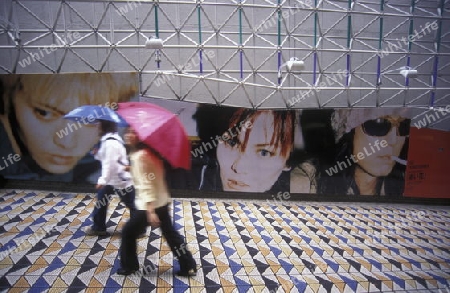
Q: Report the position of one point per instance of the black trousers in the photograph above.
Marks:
(138, 222)
(2, 181)
(104, 195)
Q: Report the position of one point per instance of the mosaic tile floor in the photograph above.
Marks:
(240, 246)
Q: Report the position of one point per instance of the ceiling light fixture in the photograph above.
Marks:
(405, 71)
(154, 43)
(294, 64)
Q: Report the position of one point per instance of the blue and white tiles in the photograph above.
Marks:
(240, 246)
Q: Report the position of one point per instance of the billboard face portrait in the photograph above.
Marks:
(33, 127)
(245, 150)
(370, 152)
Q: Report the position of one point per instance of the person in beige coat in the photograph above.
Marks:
(152, 203)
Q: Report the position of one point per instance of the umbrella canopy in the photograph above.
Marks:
(92, 113)
(160, 129)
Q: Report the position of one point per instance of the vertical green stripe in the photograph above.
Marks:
(199, 25)
(156, 21)
(349, 25)
(315, 25)
(380, 36)
(279, 24)
(439, 31)
(240, 25)
(411, 24)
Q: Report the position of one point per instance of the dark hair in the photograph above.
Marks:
(213, 121)
(107, 127)
(9, 84)
(317, 133)
(340, 183)
(143, 146)
(2, 99)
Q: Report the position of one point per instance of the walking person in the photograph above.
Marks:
(152, 203)
(114, 179)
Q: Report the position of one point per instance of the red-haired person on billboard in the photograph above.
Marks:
(246, 150)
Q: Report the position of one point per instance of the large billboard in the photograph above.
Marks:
(36, 142)
(356, 152)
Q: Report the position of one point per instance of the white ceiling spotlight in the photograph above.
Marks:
(154, 43)
(408, 72)
(405, 71)
(294, 64)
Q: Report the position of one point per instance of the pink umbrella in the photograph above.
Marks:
(160, 129)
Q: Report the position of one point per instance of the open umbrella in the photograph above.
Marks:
(160, 129)
(92, 113)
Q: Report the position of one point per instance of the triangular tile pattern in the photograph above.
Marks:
(239, 246)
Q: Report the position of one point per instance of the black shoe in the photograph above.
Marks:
(3, 181)
(91, 232)
(125, 272)
(187, 273)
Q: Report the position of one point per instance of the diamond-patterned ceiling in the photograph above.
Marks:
(229, 52)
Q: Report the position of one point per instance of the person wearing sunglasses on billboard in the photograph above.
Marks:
(33, 129)
(371, 148)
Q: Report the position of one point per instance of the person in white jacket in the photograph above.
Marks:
(115, 177)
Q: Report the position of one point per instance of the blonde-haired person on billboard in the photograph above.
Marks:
(33, 129)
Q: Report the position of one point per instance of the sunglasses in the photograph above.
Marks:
(382, 126)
